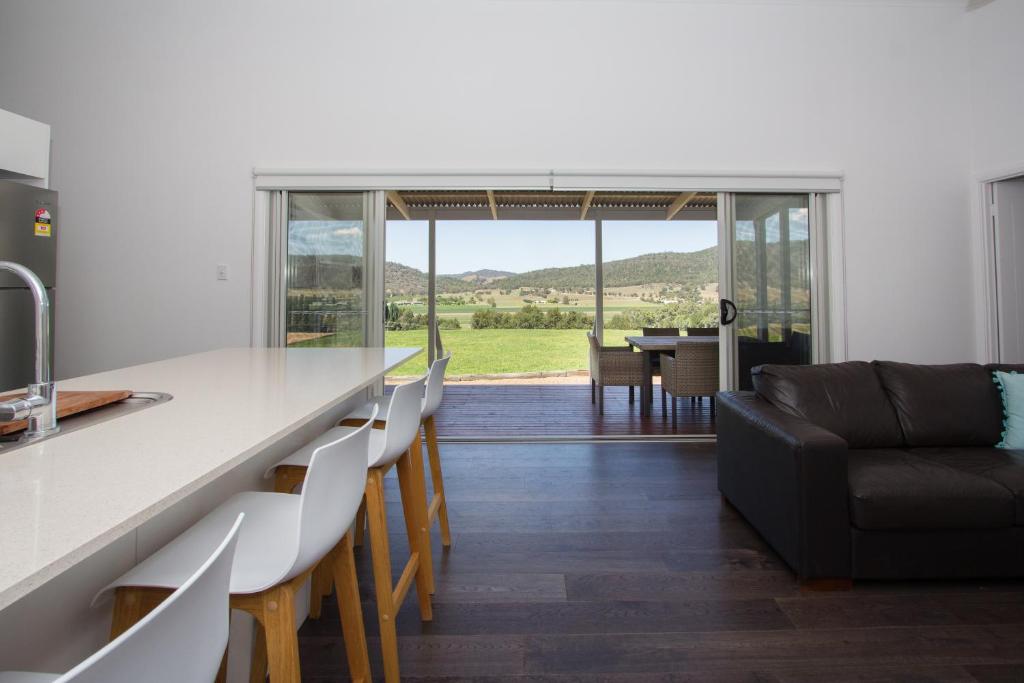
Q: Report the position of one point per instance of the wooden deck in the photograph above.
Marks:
(619, 563)
(486, 411)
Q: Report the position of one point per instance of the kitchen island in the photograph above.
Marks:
(79, 508)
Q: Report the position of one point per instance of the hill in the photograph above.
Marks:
(402, 279)
(485, 274)
(696, 268)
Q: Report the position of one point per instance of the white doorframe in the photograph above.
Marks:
(727, 362)
(375, 212)
(985, 282)
(268, 180)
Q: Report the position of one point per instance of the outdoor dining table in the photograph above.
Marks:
(649, 346)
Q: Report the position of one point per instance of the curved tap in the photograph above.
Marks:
(40, 406)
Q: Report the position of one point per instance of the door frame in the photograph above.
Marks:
(986, 285)
(828, 259)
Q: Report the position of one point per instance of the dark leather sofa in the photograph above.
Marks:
(876, 470)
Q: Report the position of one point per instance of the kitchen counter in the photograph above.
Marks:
(67, 497)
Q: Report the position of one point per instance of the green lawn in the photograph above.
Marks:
(502, 351)
(488, 352)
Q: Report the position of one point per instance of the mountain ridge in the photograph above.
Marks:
(692, 268)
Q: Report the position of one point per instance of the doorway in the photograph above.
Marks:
(783, 308)
(1007, 213)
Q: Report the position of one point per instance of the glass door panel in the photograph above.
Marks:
(771, 281)
(325, 279)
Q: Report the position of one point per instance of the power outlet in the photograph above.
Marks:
(222, 271)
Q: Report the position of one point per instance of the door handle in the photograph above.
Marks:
(727, 307)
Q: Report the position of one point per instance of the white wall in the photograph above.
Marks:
(996, 40)
(160, 111)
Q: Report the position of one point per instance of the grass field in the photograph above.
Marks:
(488, 352)
(502, 351)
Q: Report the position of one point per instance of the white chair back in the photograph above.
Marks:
(403, 422)
(435, 385)
(331, 493)
(183, 639)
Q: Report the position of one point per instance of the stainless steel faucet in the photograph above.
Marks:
(40, 406)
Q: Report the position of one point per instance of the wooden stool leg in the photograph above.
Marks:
(600, 400)
(360, 523)
(419, 489)
(414, 506)
(351, 611)
(222, 672)
(316, 590)
(631, 395)
(281, 637)
(437, 479)
(376, 515)
(593, 392)
(258, 663)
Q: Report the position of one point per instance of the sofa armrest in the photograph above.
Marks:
(788, 477)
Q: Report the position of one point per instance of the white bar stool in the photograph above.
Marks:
(182, 639)
(284, 538)
(438, 507)
(395, 445)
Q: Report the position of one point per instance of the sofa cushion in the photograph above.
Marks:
(1011, 392)
(1002, 466)
(845, 398)
(895, 489)
(944, 405)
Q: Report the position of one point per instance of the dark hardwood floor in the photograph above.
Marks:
(618, 563)
(485, 411)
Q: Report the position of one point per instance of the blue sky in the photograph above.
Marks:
(519, 246)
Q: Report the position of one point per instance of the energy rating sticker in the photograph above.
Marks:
(42, 224)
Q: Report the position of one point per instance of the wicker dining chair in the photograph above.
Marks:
(659, 332)
(692, 372)
(701, 331)
(613, 366)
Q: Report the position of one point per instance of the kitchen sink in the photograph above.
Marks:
(139, 400)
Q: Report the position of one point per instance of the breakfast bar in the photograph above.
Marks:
(119, 488)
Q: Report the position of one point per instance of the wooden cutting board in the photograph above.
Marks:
(69, 403)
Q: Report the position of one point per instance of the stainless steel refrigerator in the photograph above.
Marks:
(28, 235)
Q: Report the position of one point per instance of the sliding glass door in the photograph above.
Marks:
(768, 304)
(326, 291)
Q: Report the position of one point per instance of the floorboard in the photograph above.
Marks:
(618, 562)
(486, 411)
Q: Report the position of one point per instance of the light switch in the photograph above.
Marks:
(222, 271)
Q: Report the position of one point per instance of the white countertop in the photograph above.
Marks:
(67, 497)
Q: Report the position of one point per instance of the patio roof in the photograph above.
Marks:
(551, 205)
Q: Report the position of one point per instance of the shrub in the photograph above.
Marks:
(531, 317)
